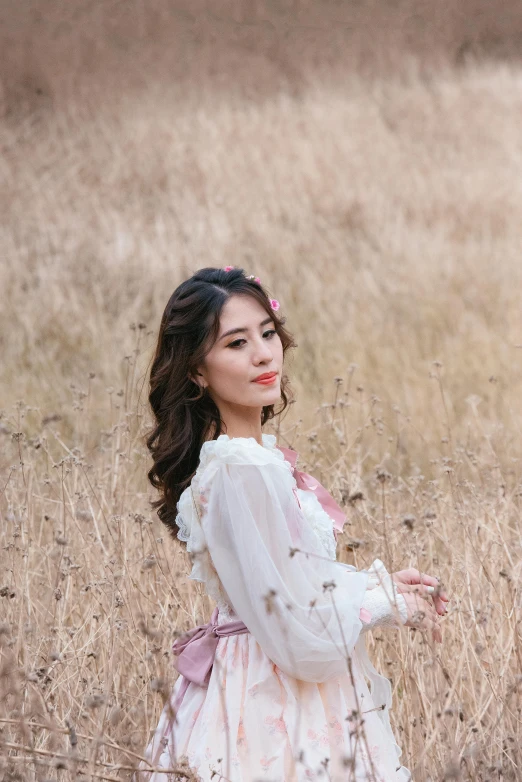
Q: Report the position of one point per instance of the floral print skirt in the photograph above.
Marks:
(255, 723)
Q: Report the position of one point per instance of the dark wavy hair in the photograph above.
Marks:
(185, 417)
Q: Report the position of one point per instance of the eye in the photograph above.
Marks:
(236, 343)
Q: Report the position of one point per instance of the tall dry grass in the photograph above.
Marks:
(94, 591)
(384, 215)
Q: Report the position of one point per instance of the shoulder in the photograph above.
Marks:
(215, 455)
(227, 450)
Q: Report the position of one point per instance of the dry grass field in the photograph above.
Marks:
(369, 172)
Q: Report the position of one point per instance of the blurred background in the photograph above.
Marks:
(365, 160)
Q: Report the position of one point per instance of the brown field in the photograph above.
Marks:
(365, 161)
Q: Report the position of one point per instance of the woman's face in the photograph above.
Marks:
(235, 360)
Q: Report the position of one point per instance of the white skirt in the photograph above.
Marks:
(254, 722)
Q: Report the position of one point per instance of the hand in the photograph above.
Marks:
(411, 576)
(421, 613)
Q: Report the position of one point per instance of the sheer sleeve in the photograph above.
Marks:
(301, 607)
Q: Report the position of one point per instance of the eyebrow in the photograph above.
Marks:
(236, 331)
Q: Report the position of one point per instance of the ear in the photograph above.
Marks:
(198, 379)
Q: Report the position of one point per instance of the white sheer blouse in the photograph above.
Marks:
(266, 552)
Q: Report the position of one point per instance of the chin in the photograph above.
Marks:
(270, 398)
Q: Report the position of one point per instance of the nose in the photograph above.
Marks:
(262, 351)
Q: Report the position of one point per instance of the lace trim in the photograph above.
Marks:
(381, 583)
(230, 446)
(380, 605)
(319, 520)
(184, 529)
(191, 532)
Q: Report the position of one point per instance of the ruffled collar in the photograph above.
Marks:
(224, 443)
(269, 441)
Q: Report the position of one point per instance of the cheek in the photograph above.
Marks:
(230, 369)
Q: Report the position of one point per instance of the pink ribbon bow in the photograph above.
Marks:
(195, 651)
(195, 665)
(305, 481)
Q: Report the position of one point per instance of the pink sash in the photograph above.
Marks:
(195, 651)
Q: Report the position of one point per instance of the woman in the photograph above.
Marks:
(273, 687)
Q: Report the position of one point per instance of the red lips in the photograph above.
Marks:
(265, 376)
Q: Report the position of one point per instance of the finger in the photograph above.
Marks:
(417, 601)
(427, 590)
(440, 592)
(440, 606)
(422, 599)
(419, 589)
(436, 589)
(438, 601)
(414, 576)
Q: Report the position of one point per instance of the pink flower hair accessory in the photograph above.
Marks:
(273, 302)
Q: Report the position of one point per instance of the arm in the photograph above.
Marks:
(381, 593)
(302, 609)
